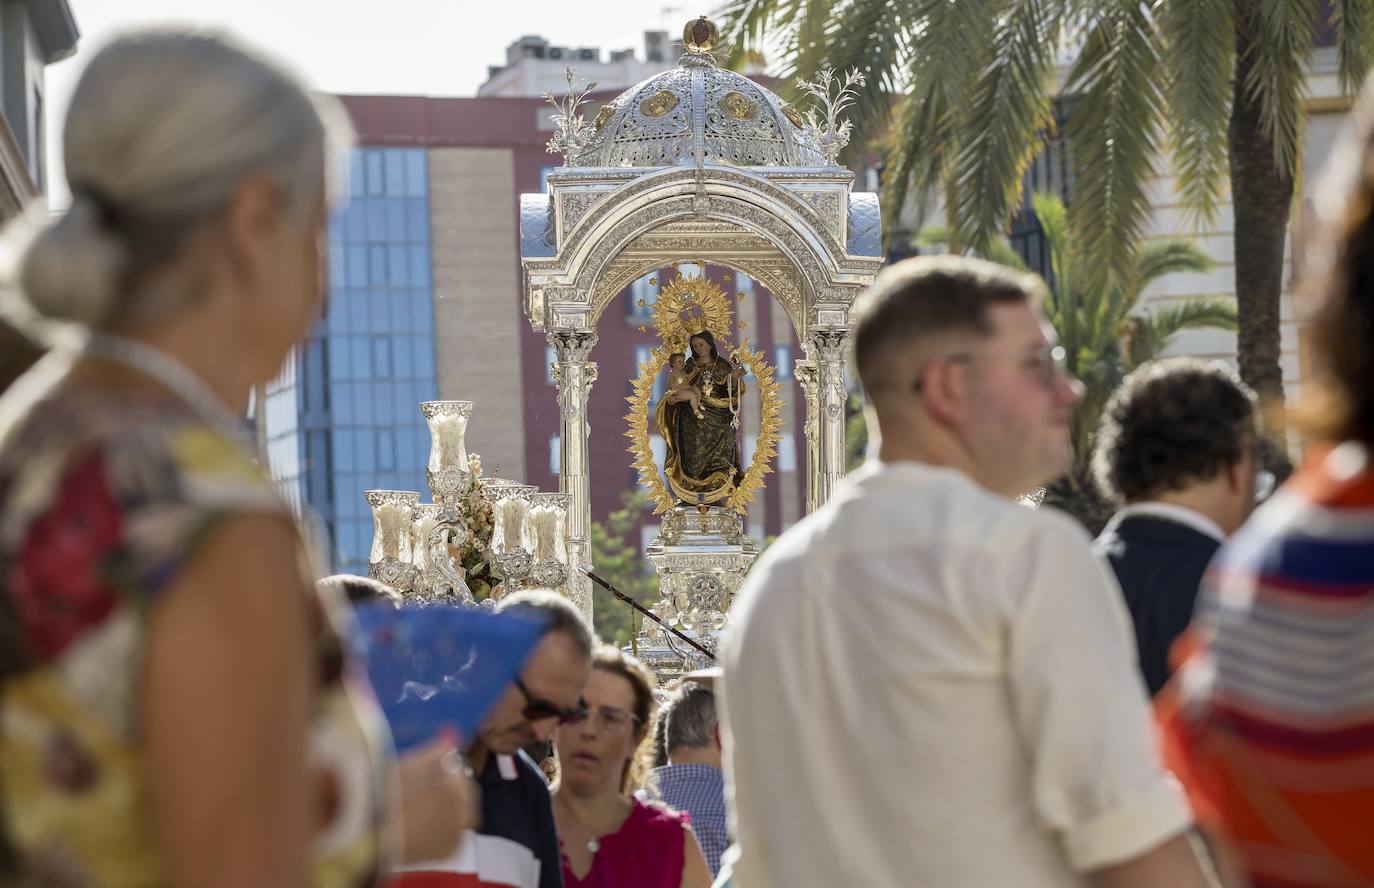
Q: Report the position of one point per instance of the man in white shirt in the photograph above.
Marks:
(1177, 446)
(925, 683)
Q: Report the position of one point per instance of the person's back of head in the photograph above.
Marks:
(1338, 401)
(1181, 430)
(163, 129)
(691, 728)
(359, 591)
(557, 614)
(957, 370)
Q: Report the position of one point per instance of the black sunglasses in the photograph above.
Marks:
(539, 710)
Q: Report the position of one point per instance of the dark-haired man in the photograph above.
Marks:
(925, 683)
(1177, 447)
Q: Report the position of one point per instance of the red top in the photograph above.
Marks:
(647, 851)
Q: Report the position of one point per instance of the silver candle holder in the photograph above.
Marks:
(448, 472)
(510, 558)
(418, 548)
(392, 557)
(548, 521)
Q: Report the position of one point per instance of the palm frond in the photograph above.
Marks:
(1053, 217)
(1280, 36)
(1354, 21)
(1153, 260)
(749, 22)
(948, 44)
(999, 251)
(1002, 253)
(1158, 258)
(870, 36)
(1150, 333)
(917, 154)
(931, 236)
(1201, 39)
(1062, 302)
(1114, 134)
(1007, 119)
(861, 35)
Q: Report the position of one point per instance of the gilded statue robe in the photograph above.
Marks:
(703, 461)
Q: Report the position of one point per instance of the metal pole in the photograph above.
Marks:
(648, 613)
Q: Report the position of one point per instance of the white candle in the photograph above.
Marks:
(447, 447)
(512, 523)
(544, 524)
(560, 548)
(423, 526)
(393, 531)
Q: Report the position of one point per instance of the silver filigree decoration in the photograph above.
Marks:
(706, 591)
(513, 567)
(572, 132)
(831, 96)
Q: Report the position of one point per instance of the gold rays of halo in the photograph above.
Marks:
(770, 426)
(679, 296)
(698, 299)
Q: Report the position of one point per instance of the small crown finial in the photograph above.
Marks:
(700, 35)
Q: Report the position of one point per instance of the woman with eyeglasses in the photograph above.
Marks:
(608, 838)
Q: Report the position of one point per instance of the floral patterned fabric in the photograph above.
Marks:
(101, 504)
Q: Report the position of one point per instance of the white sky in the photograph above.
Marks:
(418, 47)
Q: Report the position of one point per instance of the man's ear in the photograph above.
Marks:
(944, 390)
(715, 734)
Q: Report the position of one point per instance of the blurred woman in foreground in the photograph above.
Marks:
(1272, 727)
(170, 715)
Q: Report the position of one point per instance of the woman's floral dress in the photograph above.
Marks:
(101, 505)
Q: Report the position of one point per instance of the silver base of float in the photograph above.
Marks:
(701, 555)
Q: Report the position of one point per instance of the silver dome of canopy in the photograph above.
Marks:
(700, 113)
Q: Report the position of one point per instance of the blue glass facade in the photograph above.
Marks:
(356, 384)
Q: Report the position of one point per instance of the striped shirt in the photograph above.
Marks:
(1271, 723)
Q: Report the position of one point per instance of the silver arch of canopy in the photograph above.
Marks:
(696, 163)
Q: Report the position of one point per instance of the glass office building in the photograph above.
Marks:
(344, 417)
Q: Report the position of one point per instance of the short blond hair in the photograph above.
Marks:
(927, 297)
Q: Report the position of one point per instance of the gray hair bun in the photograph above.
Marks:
(71, 268)
(163, 127)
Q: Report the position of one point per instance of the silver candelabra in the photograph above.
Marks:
(418, 548)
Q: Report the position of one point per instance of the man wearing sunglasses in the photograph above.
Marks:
(516, 845)
(926, 683)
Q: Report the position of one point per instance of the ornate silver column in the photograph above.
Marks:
(807, 374)
(574, 375)
(827, 351)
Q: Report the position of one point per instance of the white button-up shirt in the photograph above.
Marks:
(927, 684)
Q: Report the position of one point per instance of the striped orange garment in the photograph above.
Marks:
(1269, 722)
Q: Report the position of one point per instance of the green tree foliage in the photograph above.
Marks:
(617, 558)
(963, 92)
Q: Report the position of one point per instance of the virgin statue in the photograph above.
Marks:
(698, 419)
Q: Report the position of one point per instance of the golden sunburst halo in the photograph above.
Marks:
(674, 321)
(688, 305)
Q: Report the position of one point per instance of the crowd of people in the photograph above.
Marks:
(925, 682)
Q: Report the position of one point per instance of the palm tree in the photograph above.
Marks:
(965, 90)
(1104, 333)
